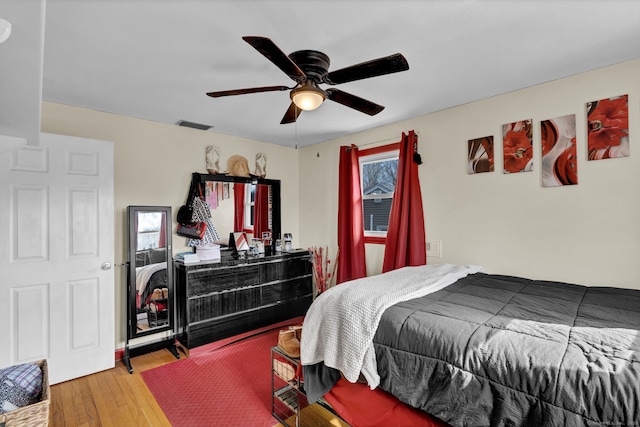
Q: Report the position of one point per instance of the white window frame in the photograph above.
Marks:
(379, 156)
(249, 206)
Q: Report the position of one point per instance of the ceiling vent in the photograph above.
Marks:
(193, 125)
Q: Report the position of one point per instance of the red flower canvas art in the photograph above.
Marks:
(608, 128)
(559, 159)
(480, 155)
(517, 146)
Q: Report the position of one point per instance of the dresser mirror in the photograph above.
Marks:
(243, 204)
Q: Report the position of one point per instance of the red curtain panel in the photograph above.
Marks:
(406, 239)
(162, 240)
(238, 202)
(261, 211)
(351, 261)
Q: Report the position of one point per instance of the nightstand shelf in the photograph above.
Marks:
(288, 397)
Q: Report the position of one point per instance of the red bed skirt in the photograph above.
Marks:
(360, 406)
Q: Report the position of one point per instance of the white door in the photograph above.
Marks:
(56, 256)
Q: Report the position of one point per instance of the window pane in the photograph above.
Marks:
(376, 214)
(148, 240)
(379, 177)
(249, 199)
(149, 224)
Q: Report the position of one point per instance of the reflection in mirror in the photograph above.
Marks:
(253, 209)
(152, 291)
(244, 204)
(240, 241)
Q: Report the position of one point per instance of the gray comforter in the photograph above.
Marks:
(493, 350)
(505, 351)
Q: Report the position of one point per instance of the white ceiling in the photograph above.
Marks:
(156, 59)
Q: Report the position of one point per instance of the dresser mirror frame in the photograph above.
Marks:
(153, 262)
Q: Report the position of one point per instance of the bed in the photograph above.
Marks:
(476, 349)
(151, 287)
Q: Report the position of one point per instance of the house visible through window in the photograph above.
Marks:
(378, 173)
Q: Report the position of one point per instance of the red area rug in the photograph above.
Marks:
(228, 385)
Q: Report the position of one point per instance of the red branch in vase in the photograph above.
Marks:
(323, 268)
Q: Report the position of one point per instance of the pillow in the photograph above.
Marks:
(142, 258)
(157, 255)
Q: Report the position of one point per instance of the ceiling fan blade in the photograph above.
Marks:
(273, 53)
(220, 93)
(291, 115)
(354, 102)
(376, 67)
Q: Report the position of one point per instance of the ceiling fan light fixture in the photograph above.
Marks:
(308, 97)
(5, 30)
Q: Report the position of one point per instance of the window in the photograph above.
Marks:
(149, 225)
(249, 204)
(378, 173)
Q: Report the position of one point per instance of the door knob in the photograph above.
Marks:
(106, 266)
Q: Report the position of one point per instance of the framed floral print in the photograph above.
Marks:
(480, 155)
(608, 128)
(559, 159)
(517, 146)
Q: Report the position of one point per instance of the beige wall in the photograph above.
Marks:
(510, 224)
(589, 233)
(153, 166)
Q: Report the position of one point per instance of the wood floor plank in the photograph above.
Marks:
(85, 406)
(68, 407)
(56, 411)
(315, 416)
(103, 404)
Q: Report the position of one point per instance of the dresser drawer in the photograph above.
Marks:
(286, 290)
(203, 282)
(222, 303)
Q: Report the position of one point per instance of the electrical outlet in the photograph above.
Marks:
(434, 248)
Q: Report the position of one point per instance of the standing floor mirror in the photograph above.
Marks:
(150, 293)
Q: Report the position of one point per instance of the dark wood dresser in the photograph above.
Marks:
(222, 298)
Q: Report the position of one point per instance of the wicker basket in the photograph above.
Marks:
(33, 415)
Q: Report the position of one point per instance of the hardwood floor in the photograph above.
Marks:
(316, 416)
(117, 398)
(110, 398)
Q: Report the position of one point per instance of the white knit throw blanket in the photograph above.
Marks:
(340, 324)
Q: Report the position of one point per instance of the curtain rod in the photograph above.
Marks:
(394, 139)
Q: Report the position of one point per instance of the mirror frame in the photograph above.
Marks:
(132, 310)
(276, 214)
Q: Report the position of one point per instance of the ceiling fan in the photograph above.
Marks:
(309, 68)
